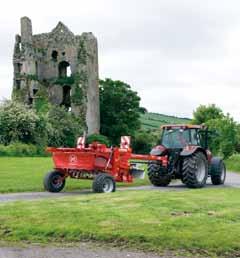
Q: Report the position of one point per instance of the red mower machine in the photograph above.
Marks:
(105, 166)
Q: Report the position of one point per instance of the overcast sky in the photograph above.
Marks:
(177, 54)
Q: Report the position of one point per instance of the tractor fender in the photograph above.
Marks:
(189, 150)
(158, 150)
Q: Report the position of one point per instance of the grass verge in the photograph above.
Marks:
(203, 221)
(26, 174)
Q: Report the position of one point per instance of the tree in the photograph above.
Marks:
(120, 109)
(225, 141)
(205, 113)
(63, 127)
(237, 147)
(18, 123)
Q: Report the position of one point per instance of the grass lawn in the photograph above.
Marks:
(205, 220)
(26, 174)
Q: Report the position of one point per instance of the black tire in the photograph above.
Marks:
(104, 183)
(54, 182)
(156, 177)
(218, 171)
(195, 170)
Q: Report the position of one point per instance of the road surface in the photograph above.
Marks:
(232, 180)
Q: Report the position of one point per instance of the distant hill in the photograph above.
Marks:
(154, 120)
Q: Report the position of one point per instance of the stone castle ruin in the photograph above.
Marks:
(58, 68)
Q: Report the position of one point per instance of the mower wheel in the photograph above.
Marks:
(104, 183)
(156, 177)
(54, 182)
(218, 171)
(195, 170)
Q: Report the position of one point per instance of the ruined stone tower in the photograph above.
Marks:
(58, 68)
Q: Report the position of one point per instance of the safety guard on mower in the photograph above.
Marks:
(105, 166)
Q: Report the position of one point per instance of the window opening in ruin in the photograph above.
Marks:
(30, 101)
(69, 73)
(64, 69)
(18, 68)
(18, 84)
(35, 91)
(36, 68)
(54, 55)
(63, 53)
(66, 102)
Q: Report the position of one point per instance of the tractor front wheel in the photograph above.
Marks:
(54, 182)
(195, 170)
(104, 183)
(218, 171)
(156, 177)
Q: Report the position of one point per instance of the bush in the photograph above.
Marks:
(19, 123)
(225, 142)
(143, 142)
(19, 149)
(63, 128)
(98, 138)
(233, 163)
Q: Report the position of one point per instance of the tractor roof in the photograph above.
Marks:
(183, 126)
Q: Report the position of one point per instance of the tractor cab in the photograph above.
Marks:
(180, 136)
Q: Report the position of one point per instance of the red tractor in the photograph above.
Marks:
(188, 156)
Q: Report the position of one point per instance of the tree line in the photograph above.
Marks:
(27, 131)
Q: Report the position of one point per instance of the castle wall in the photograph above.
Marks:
(55, 63)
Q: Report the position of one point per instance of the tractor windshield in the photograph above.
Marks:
(179, 138)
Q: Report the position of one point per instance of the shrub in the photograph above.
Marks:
(63, 128)
(143, 141)
(224, 143)
(19, 123)
(98, 138)
(18, 149)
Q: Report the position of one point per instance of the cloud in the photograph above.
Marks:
(176, 54)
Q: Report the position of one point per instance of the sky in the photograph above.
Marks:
(177, 54)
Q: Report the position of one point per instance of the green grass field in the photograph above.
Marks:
(205, 221)
(154, 120)
(26, 174)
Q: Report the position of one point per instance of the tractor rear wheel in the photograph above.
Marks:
(156, 177)
(195, 170)
(54, 182)
(104, 183)
(218, 171)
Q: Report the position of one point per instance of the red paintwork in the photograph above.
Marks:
(98, 158)
(209, 155)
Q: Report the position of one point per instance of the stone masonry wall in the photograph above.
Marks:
(59, 68)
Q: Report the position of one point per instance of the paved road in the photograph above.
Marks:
(82, 251)
(232, 180)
